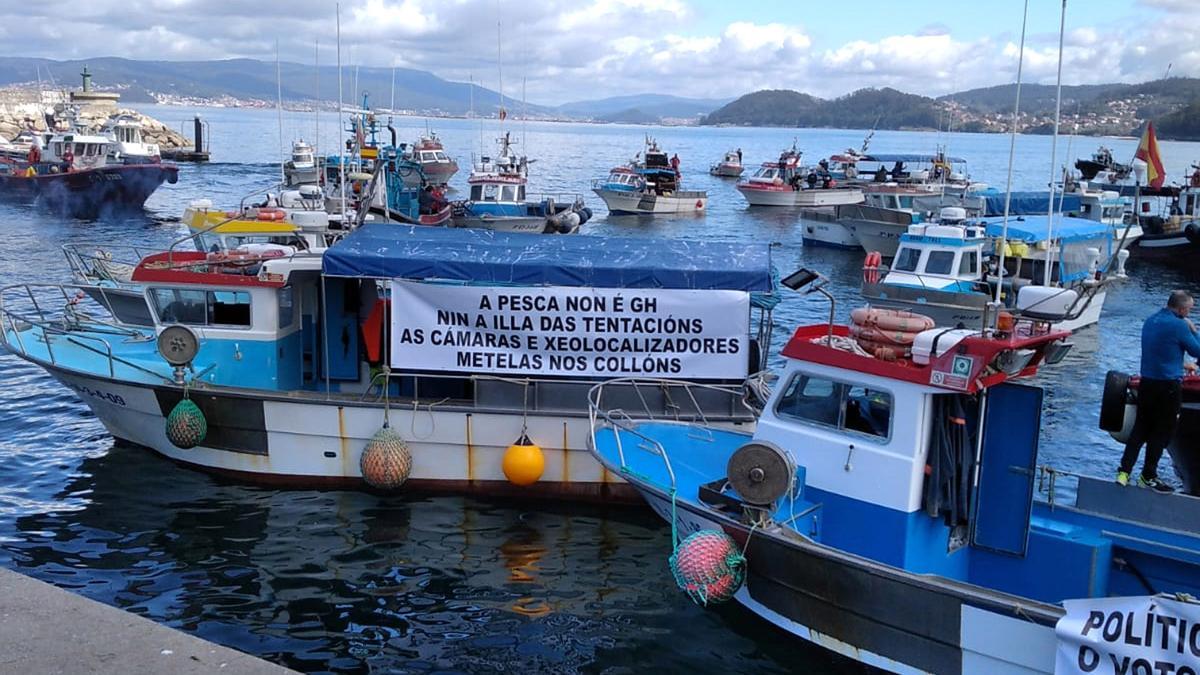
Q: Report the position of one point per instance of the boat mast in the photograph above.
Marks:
(1012, 151)
(279, 114)
(392, 107)
(1062, 24)
(341, 131)
(317, 107)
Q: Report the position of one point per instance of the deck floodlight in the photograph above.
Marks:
(801, 278)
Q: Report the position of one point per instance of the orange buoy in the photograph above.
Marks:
(708, 567)
(523, 462)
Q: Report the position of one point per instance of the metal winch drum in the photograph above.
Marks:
(760, 472)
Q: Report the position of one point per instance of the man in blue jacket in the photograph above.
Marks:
(1166, 337)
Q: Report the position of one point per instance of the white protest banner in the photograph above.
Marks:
(1145, 635)
(563, 331)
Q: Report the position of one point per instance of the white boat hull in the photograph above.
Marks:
(532, 224)
(619, 201)
(320, 442)
(821, 228)
(784, 196)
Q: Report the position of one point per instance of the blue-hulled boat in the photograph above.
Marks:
(895, 513)
(498, 200)
(465, 339)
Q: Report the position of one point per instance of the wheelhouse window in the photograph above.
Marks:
(476, 193)
(508, 193)
(969, 265)
(202, 308)
(520, 193)
(490, 191)
(441, 157)
(287, 307)
(851, 408)
(939, 262)
(907, 259)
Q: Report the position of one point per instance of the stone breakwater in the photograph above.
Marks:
(17, 116)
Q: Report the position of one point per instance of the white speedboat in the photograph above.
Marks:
(730, 166)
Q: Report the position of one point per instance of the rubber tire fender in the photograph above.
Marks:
(1112, 402)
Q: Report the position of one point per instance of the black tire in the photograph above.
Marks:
(1192, 233)
(1112, 402)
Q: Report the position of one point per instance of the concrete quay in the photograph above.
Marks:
(47, 630)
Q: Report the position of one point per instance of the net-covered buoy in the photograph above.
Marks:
(386, 461)
(708, 566)
(186, 426)
(523, 462)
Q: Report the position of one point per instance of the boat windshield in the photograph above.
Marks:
(766, 172)
(907, 259)
(441, 157)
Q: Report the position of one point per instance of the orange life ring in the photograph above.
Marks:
(871, 267)
(877, 335)
(891, 319)
(272, 214)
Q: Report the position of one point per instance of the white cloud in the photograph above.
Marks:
(573, 49)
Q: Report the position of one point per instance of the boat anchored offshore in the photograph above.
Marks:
(302, 168)
(948, 270)
(729, 167)
(648, 186)
(1102, 162)
(436, 165)
(460, 341)
(498, 200)
(889, 511)
(787, 183)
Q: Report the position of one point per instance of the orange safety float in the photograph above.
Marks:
(871, 267)
(271, 214)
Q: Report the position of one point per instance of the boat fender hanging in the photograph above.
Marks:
(386, 462)
(523, 462)
(708, 567)
(1192, 233)
(699, 204)
(186, 426)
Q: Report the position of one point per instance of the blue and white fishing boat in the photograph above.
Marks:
(647, 186)
(892, 512)
(947, 270)
(462, 340)
(498, 200)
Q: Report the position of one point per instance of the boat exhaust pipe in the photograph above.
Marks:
(392, 130)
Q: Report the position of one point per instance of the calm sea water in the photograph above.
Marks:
(350, 582)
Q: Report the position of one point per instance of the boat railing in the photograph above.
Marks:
(555, 197)
(101, 262)
(622, 421)
(43, 312)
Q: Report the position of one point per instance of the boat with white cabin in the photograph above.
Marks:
(787, 183)
(730, 165)
(648, 185)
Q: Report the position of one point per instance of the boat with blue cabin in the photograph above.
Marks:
(948, 270)
(498, 200)
(895, 512)
(648, 185)
(462, 341)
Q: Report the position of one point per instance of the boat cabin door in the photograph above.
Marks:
(1006, 469)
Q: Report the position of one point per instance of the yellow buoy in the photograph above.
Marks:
(523, 462)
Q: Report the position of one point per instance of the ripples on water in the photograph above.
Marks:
(351, 582)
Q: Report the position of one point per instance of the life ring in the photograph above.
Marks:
(871, 267)
(891, 319)
(271, 214)
(890, 338)
(235, 258)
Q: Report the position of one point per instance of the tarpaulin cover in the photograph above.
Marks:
(1027, 203)
(383, 250)
(1038, 228)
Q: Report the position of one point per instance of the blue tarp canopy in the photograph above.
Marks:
(1028, 203)
(382, 250)
(1031, 229)
(909, 159)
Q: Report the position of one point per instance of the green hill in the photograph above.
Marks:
(866, 108)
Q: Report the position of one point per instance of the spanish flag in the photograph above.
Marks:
(1148, 152)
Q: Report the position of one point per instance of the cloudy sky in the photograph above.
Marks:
(580, 49)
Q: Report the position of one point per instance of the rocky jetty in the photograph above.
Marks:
(17, 116)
